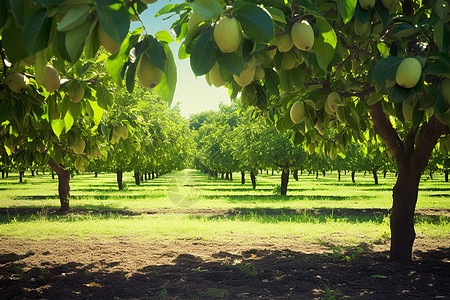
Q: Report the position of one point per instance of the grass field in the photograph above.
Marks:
(219, 210)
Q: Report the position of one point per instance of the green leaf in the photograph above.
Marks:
(346, 9)
(6, 109)
(114, 17)
(385, 69)
(3, 14)
(271, 81)
(166, 88)
(36, 31)
(384, 49)
(208, 9)
(284, 123)
(297, 77)
(75, 40)
(17, 8)
(114, 64)
(68, 120)
(277, 15)
(382, 11)
(231, 62)
(51, 2)
(76, 16)
(437, 67)
(92, 43)
(85, 68)
(104, 97)
(57, 126)
(98, 112)
(361, 14)
(171, 8)
(325, 44)
(400, 94)
(154, 50)
(129, 81)
(12, 43)
(39, 66)
(256, 22)
(438, 34)
(164, 36)
(441, 8)
(202, 57)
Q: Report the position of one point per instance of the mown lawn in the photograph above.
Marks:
(216, 209)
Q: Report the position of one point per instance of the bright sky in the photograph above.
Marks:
(193, 93)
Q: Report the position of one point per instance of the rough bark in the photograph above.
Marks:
(231, 176)
(120, 179)
(411, 156)
(353, 176)
(284, 181)
(295, 175)
(137, 178)
(21, 172)
(242, 177)
(63, 183)
(253, 178)
(375, 175)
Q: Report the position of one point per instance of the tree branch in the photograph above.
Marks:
(55, 167)
(383, 128)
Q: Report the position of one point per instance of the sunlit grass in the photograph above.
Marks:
(315, 208)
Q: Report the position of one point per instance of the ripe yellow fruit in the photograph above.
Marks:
(148, 74)
(297, 112)
(367, 4)
(227, 34)
(51, 81)
(78, 146)
(76, 95)
(17, 82)
(302, 35)
(215, 77)
(284, 42)
(359, 27)
(445, 90)
(194, 20)
(106, 41)
(389, 3)
(259, 73)
(408, 72)
(122, 130)
(246, 76)
(289, 60)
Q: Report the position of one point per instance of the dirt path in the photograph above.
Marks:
(125, 268)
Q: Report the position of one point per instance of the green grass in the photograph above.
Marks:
(314, 210)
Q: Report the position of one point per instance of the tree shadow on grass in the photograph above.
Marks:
(253, 273)
(233, 198)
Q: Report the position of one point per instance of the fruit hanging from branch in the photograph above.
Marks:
(227, 34)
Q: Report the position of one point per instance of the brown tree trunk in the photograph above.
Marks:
(231, 176)
(375, 175)
(120, 179)
(21, 172)
(295, 175)
(431, 175)
(446, 175)
(284, 181)
(63, 184)
(242, 177)
(253, 178)
(137, 178)
(353, 176)
(339, 175)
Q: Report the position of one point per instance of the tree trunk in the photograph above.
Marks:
(446, 175)
(222, 176)
(32, 173)
(323, 173)
(227, 175)
(431, 175)
(242, 177)
(231, 176)
(384, 173)
(153, 174)
(95, 174)
(295, 175)
(63, 184)
(284, 181)
(375, 176)
(353, 176)
(53, 175)
(3, 174)
(253, 178)
(145, 176)
(339, 175)
(137, 178)
(119, 179)
(272, 172)
(21, 172)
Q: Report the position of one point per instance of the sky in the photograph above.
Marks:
(193, 93)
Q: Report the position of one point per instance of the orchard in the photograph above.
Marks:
(327, 73)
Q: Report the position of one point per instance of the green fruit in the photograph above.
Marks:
(77, 95)
(333, 153)
(408, 110)
(79, 165)
(148, 1)
(359, 27)
(148, 74)
(430, 112)
(408, 73)
(319, 127)
(106, 41)
(115, 136)
(271, 53)
(78, 146)
(259, 73)
(17, 82)
(367, 4)
(390, 83)
(389, 3)
(246, 77)
(122, 130)
(332, 100)
(51, 81)
(445, 90)
(302, 35)
(289, 60)
(297, 112)
(284, 42)
(227, 34)
(215, 77)
(194, 20)
(311, 148)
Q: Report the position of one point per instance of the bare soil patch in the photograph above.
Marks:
(127, 268)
